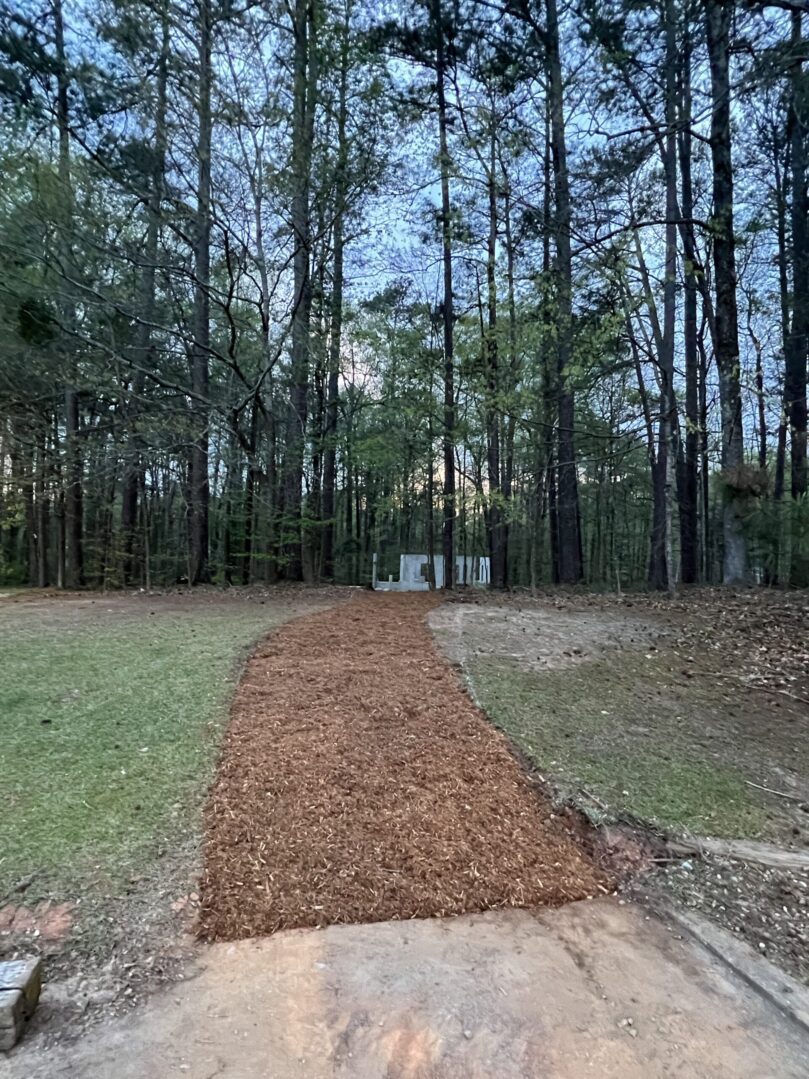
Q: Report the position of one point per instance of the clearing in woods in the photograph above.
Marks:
(358, 782)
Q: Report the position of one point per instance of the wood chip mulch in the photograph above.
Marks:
(358, 782)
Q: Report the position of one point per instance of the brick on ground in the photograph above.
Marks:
(20, 986)
(12, 1017)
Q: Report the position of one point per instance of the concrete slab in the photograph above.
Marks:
(592, 989)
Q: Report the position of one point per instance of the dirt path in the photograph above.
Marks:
(358, 782)
(590, 989)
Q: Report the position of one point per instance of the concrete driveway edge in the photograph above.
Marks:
(776, 986)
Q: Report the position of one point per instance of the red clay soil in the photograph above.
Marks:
(358, 782)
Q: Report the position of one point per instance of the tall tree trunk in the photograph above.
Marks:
(250, 493)
(706, 538)
(494, 508)
(30, 509)
(335, 335)
(689, 515)
(660, 562)
(73, 464)
(798, 344)
(275, 497)
(570, 551)
(448, 537)
(59, 501)
(258, 409)
(232, 497)
(508, 408)
(42, 507)
(311, 532)
(430, 500)
(761, 406)
(73, 499)
(550, 374)
(133, 467)
(200, 351)
(784, 294)
(718, 16)
(303, 108)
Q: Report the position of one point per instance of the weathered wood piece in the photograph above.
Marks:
(742, 850)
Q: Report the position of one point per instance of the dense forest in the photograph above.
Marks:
(287, 283)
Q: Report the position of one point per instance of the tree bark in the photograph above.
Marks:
(718, 16)
(784, 294)
(798, 343)
(133, 481)
(494, 507)
(336, 321)
(199, 489)
(73, 464)
(303, 108)
(42, 507)
(660, 561)
(550, 373)
(447, 537)
(689, 513)
(508, 407)
(250, 494)
(567, 507)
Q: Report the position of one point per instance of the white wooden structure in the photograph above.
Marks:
(471, 570)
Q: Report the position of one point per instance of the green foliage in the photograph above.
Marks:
(77, 215)
(36, 323)
(778, 534)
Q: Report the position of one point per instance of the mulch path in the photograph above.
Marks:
(358, 782)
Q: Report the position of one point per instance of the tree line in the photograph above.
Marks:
(287, 283)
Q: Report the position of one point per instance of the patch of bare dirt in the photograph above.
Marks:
(55, 606)
(358, 782)
(539, 638)
(109, 947)
(751, 640)
(755, 637)
(46, 923)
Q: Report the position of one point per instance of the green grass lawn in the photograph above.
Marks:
(110, 728)
(618, 729)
